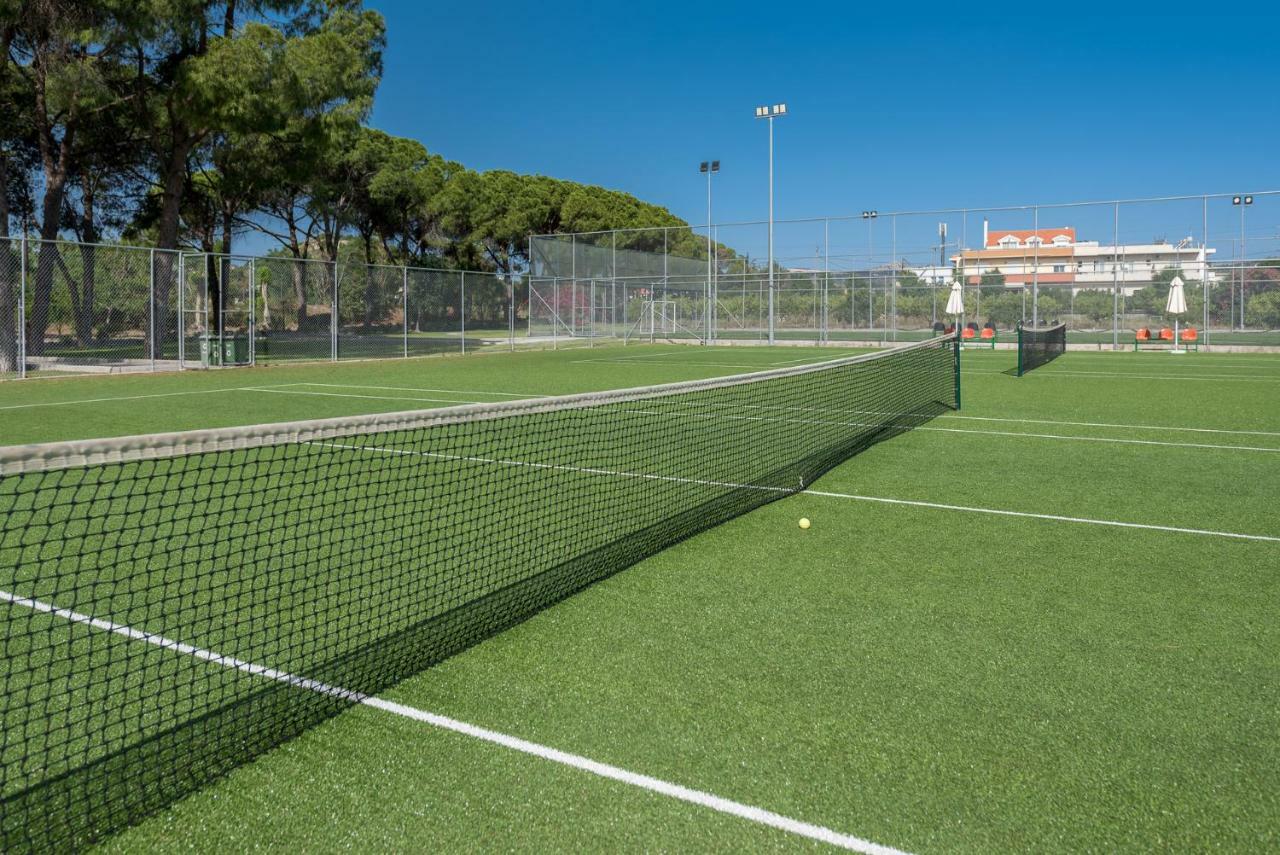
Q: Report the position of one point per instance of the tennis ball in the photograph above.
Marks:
(804, 522)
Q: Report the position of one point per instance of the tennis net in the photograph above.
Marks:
(173, 605)
(1038, 345)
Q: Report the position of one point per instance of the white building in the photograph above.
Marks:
(1054, 257)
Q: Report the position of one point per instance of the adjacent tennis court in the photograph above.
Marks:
(1046, 619)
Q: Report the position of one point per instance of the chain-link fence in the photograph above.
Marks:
(86, 308)
(1102, 267)
(79, 306)
(1105, 268)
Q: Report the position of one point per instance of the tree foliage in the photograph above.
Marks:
(187, 123)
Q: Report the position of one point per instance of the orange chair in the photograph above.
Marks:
(1189, 334)
(1143, 334)
(1190, 339)
(1166, 334)
(967, 333)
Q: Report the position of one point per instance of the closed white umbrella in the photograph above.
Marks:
(955, 302)
(1176, 305)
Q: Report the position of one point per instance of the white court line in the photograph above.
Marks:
(653, 355)
(695, 364)
(1264, 362)
(407, 389)
(1118, 375)
(119, 398)
(1051, 517)
(620, 473)
(554, 755)
(350, 395)
(1111, 439)
(1113, 425)
(822, 358)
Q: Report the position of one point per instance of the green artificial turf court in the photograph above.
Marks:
(919, 670)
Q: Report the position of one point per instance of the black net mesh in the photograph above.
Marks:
(199, 598)
(1038, 345)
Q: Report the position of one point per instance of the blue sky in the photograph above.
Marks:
(894, 106)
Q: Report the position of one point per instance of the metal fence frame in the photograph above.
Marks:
(838, 282)
(190, 309)
(108, 307)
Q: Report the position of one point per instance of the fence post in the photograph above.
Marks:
(404, 302)
(22, 311)
(825, 334)
(1035, 269)
(1204, 265)
(182, 299)
(528, 326)
(1115, 281)
(956, 358)
(253, 311)
(462, 309)
(511, 306)
(151, 312)
(333, 318)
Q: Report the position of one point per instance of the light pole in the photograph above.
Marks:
(771, 113)
(1241, 202)
(709, 168)
(871, 301)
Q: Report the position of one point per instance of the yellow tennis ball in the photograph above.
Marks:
(804, 522)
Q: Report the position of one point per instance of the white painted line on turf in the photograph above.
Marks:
(653, 355)
(666, 362)
(177, 646)
(36, 404)
(408, 389)
(656, 785)
(1119, 375)
(1112, 425)
(351, 395)
(621, 473)
(701, 798)
(1110, 439)
(1053, 517)
(801, 359)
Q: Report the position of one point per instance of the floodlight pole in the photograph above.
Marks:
(1241, 202)
(709, 167)
(771, 113)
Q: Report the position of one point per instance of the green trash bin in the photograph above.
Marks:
(235, 350)
(225, 350)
